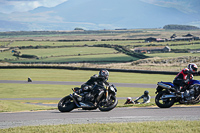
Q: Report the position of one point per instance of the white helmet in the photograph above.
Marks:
(192, 67)
(129, 99)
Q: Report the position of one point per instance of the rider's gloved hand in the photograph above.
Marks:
(186, 81)
(79, 91)
(198, 72)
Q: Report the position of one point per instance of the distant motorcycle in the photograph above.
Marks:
(105, 100)
(166, 96)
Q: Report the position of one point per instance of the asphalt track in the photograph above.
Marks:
(77, 83)
(78, 116)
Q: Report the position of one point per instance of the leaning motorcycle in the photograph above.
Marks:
(105, 99)
(166, 96)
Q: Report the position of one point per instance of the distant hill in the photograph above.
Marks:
(180, 27)
(100, 14)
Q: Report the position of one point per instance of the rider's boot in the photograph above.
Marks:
(178, 92)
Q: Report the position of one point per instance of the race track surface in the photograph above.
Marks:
(77, 83)
(78, 116)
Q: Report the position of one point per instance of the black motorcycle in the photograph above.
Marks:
(102, 97)
(167, 96)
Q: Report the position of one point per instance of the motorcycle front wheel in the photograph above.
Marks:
(164, 103)
(66, 104)
(107, 105)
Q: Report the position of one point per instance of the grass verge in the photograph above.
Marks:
(51, 91)
(15, 106)
(80, 75)
(133, 127)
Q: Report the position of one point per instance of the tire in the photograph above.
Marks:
(164, 104)
(107, 106)
(66, 104)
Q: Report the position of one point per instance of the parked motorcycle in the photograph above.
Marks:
(105, 99)
(166, 96)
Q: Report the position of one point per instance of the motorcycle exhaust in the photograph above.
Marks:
(164, 85)
(75, 101)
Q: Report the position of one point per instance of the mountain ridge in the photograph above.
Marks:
(103, 14)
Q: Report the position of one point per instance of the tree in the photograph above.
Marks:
(78, 28)
(180, 27)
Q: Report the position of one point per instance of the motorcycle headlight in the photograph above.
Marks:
(112, 88)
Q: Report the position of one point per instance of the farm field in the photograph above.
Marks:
(173, 54)
(97, 48)
(101, 58)
(67, 51)
(57, 53)
(68, 43)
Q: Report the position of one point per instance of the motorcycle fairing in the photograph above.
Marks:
(192, 82)
(168, 83)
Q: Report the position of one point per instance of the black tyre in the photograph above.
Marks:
(108, 105)
(164, 103)
(66, 104)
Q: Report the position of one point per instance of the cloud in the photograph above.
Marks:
(9, 6)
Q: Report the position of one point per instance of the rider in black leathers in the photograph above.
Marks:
(95, 83)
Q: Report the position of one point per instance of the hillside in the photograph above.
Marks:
(100, 14)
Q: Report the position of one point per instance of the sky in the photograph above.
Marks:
(9, 6)
(16, 11)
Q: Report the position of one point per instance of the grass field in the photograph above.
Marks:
(97, 59)
(67, 51)
(172, 54)
(59, 91)
(71, 43)
(123, 43)
(80, 75)
(88, 54)
(132, 127)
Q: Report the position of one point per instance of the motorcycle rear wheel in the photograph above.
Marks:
(164, 103)
(108, 105)
(66, 104)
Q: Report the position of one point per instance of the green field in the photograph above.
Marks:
(67, 51)
(59, 91)
(83, 58)
(79, 75)
(172, 54)
(49, 51)
(71, 43)
(132, 127)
